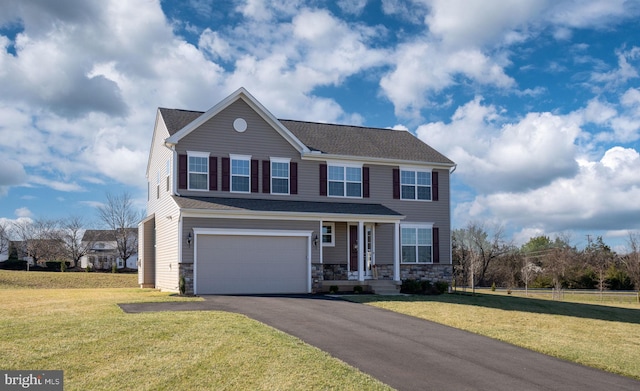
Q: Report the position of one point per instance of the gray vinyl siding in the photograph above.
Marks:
(337, 253)
(290, 225)
(218, 137)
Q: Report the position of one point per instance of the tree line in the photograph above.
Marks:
(61, 240)
(482, 257)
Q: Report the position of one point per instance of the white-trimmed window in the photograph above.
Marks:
(415, 185)
(198, 170)
(344, 181)
(417, 243)
(280, 175)
(240, 173)
(328, 234)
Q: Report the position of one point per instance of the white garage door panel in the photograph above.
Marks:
(237, 264)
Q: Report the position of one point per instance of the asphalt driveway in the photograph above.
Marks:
(405, 352)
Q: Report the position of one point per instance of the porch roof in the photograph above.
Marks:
(284, 206)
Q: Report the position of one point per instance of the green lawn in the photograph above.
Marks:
(83, 332)
(601, 336)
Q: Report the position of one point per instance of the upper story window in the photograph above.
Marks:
(198, 170)
(415, 185)
(240, 173)
(417, 243)
(279, 176)
(344, 181)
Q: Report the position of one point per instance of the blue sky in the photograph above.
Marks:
(538, 102)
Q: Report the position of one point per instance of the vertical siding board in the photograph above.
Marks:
(226, 174)
(396, 184)
(365, 182)
(293, 185)
(434, 185)
(266, 176)
(182, 171)
(255, 175)
(323, 179)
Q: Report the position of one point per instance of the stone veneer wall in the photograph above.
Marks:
(430, 272)
(186, 270)
(335, 272)
(385, 272)
(316, 277)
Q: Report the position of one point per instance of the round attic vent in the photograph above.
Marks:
(240, 125)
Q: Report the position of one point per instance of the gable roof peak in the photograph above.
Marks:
(243, 94)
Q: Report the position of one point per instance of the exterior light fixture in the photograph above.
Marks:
(189, 237)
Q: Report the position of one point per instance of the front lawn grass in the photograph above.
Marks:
(599, 336)
(12, 279)
(99, 347)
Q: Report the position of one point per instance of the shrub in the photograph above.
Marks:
(493, 287)
(357, 289)
(182, 285)
(418, 287)
(333, 289)
(441, 286)
(13, 264)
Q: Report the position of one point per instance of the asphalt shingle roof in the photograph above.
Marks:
(341, 140)
(261, 205)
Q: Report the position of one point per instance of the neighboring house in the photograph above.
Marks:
(241, 202)
(17, 250)
(103, 250)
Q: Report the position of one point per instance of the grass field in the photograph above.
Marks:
(83, 332)
(601, 336)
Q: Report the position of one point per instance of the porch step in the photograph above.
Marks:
(384, 287)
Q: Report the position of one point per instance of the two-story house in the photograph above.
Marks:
(241, 202)
(102, 250)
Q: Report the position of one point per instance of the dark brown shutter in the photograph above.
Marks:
(434, 186)
(226, 174)
(213, 173)
(436, 245)
(255, 172)
(323, 179)
(365, 182)
(293, 175)
(266, 176)
(182, 171)
(396, 183)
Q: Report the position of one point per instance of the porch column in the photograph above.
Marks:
(396, 251)
(361, 246)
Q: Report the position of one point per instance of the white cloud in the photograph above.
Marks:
(476, 23)
(23, 212)
(597, 197)
(437, 69)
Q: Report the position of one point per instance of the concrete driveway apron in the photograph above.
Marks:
(405, 352)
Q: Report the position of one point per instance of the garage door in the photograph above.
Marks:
(251, 264)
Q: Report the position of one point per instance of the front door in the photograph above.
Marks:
(368, 250)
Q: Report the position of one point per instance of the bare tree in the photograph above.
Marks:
(631, 261)
(4, 237)
(70, 234)
(599, 257)
(558, 261)
(120, 216)
(40, 239)
(477, 248)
